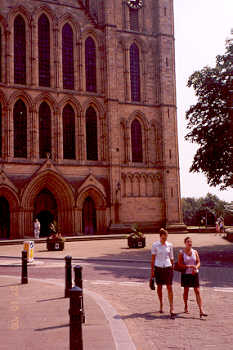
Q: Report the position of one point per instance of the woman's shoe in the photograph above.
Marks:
(172, 316)
(202, 314)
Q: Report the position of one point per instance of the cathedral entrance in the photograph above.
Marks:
(89, 216)
(4, 218)
(45, 209)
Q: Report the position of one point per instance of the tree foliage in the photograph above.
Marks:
(210, 120)
(194, 209)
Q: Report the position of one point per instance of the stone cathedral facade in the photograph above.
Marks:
(88, 129)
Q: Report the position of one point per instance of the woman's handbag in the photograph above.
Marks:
(179, 268)
(152, 284)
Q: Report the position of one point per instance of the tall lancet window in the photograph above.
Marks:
(0, 53)
(68, 119)
(91, 134)
(136, 141)
(68, 57)
(0, 130)
(44, 50)
(133, 19)
(20, 129)
(134, 73)
(90, 64)
(19, 50)
(45, 144)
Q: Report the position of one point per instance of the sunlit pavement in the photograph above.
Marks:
(120, 276)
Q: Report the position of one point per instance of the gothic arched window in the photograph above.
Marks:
(45, 145)
(0, 53)
(0, 130)
(19, 50)
(68, 118)
(90, 64)
(135, 73)
(44, 50)
(20, 129)
(67, 57)
(91, 134)
(136, 141)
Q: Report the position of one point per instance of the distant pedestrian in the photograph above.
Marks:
(189, 259)
(36, 229)
(217, 226)
(162, 268)
(221, 225)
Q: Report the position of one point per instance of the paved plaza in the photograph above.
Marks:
(121, 311)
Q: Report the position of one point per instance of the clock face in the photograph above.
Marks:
(135, 4)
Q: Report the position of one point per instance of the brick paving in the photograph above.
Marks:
(137, 305)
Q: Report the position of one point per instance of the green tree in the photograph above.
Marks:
(210, 120)
(210, 207)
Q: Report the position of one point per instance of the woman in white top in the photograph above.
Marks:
(189, 259)
(162, 268)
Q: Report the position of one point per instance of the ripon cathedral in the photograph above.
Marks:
(88, 128)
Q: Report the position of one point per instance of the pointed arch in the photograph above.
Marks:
(91, 134)
(68, 56)
(45, 129)
(90, 64)
(20, 129)
(19, 50)
(60, 190)
(1, 129)
(136, 141)
(135, 73)
(68, 121)
(1, 51)
(44, 50)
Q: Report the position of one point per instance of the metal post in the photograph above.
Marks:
(24, 276)
(76, 340)
(78, 281)
(68, 276)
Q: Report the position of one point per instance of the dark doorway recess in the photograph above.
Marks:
(89, 216)
(4, 218)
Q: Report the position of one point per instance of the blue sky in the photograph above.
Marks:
(201, 28)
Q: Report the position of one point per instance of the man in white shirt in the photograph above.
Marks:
(162, 268)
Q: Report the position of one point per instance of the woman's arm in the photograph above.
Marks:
(181, 261)
(152, 266)
(198, 263)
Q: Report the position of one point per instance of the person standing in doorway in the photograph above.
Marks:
(36, 229)
(162, 268)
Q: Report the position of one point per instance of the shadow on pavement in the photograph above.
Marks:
(216, 265)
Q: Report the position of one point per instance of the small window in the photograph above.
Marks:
(133, 19)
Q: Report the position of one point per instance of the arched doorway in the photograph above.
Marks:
(89, 216)
(4, 218)
(45, 209)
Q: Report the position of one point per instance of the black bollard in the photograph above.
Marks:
(68, 276)
(24, 277)
(78, 281)
(76, 339)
